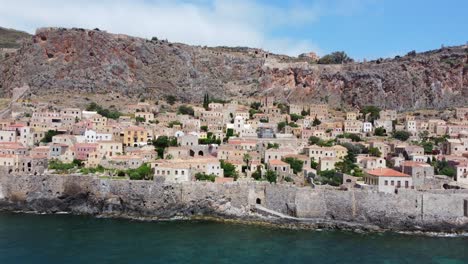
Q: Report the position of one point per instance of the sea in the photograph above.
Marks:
(67, 239)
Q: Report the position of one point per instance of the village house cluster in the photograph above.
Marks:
(258, 139)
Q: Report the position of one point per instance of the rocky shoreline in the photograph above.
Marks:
(282, 206)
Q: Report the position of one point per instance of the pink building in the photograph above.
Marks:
(82, 150)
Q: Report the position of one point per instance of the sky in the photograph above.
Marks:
(365, 29)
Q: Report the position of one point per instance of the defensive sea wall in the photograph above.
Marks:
(440, 211)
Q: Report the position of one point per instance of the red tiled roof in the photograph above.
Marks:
(386, 172)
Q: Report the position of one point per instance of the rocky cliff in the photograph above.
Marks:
(91, 61)
(444, 211)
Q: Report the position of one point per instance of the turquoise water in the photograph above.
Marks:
(65, 239)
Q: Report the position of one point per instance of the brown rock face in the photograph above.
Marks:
(82, 61)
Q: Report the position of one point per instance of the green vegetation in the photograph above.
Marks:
(271, 176)
(380, 131)
(112, 114)
(48, 136)
(229, 170)
(295, 164)
(313, 140)
(205, 177)
(140, 119)
(282, 125)
(353, 137)
(204, 128)
(210, 139)
(144, 172)
(313, 164)
(295, 117)
(229, 133)
(206, 101)
(98, 169)
(60, 167)
(171, 99)
(255, 105)
(337, 57)
(163, 142)
(373, 111)
(375, 152)
(316, 122)
(328, 177)
(273, 145)
(443, 168)
(185, 110)
(257, 174)
(348, 165)
(174, 123)
(401, 135)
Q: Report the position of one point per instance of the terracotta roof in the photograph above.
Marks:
(278, 163)
(386, 172)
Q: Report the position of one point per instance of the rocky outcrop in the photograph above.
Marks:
(444, 211)
(81, 61)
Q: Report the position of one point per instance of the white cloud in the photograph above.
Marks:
(205, 22)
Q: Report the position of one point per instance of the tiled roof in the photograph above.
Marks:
(386, 172)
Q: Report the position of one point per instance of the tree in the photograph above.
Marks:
(206, 101)
(144, 172)
(295, 164)
(257, 175)
(229, 170)
(448, 171)
(273, 145)
(205, 177)
(174, 123)
(112, 114)
(271, 176)
(401, 135)
(374, 152)
(171, 99)
(316, 121)
(140, 119)
(185, 110)
(428, 147)
(247, 158)
(48, 136)
(373, 111)
(380, 131)
(313, 163)
(337, 57)
(295, 117)
(204, 128)
(313, 140)
(255, 105)
(281, 125)
(329, 177)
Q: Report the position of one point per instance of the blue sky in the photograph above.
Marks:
(363, 28)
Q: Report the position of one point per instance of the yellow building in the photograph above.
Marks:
(135, 136)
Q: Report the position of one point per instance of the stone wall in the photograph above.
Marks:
(408, 210)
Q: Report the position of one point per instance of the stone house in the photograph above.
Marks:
(122, 162)
(282, 168)
(419, 171)
(277, 154)
(388, 180)
(370, 163)
(327, 163)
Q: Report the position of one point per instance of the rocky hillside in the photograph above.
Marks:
(10, 38)
(78, 61)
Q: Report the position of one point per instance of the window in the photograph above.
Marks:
(386, 182)
(392, 183)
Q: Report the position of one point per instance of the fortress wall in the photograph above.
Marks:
(86, 194)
